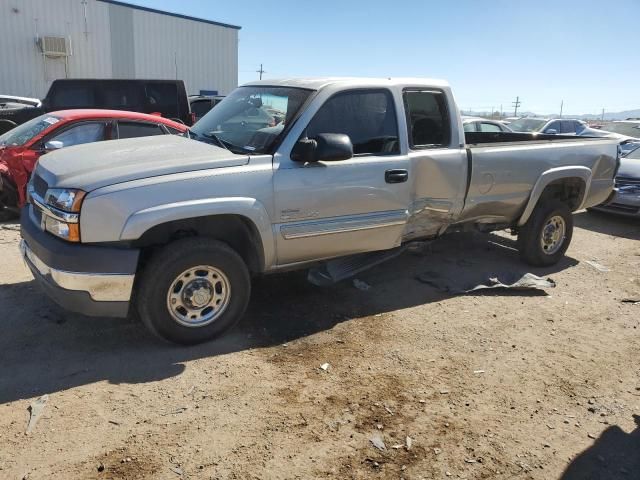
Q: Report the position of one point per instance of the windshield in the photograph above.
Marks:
(25, 132)
(527, 124)
(630, 129)
(251, 119)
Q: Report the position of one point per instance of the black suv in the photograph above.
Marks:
(167, 97)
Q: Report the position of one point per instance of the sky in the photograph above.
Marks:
(582, 53)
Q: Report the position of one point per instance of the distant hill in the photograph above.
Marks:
(587, 116)
(612, 115)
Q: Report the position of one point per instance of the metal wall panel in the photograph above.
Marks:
(204, 55)
(22, 67)
(123, 60)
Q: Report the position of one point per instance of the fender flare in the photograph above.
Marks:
(552, 175)
(250, 208)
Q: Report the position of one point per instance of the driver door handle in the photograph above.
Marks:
(396, 176)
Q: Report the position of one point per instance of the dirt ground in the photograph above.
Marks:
(503, 384)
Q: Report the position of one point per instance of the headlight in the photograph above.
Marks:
(66, 231)
(64, 207)
(65, 199)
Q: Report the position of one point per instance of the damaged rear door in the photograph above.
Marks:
(438, 162)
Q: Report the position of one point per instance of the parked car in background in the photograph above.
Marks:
(174, 228)
(21, 147)
(163, 97)
(626, 128)
(549, 126)
(476, 124)
(201, 104)
(626, 200)
(16, 110)
(627, 132)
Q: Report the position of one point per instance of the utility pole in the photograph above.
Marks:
(261, 71)
(561, 107)
(602, 118)
(500, 110)
(516, 104)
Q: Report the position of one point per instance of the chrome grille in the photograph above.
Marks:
(40, 186)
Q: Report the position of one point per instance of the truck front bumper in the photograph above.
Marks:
(87, 279)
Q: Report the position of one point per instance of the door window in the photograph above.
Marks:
(82, 133)
(122, 95)
(489, 127)
(427, 119)
(568, 126)
(67, 95)
(137, 129)
(368, 117)
(470, 127)
(553, 126)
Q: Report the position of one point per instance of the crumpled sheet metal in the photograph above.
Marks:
(513, 281)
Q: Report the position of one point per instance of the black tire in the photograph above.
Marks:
(530, 237)
(6, 125)
(8, 200)
(167, 265)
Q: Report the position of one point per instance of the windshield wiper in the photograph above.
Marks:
(217, 139)
(224, 144)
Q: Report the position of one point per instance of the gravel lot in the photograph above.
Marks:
(505, 384)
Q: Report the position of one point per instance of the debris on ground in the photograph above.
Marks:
(360, 285)
(377, 441)
(36, 408)
(175, 412)
(176, 470)
(325, 366)
(526, 281)
(597, 266)
(632, 301)
(408, 442)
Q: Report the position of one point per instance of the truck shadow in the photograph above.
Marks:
(614, 455)
(46, 350)
(608, 224)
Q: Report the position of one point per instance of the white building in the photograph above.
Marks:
(42, 40)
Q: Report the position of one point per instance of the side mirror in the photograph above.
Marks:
(53, 145)
(551, 131)
(327, 147)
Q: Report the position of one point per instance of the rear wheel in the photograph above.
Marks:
(544, 239)
(193, 290)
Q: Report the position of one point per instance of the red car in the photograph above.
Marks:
(21, 147)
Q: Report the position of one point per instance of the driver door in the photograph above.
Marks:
(329, 209)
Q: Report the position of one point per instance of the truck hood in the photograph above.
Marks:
(99, 164)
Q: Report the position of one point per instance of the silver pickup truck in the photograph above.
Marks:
(283, 175)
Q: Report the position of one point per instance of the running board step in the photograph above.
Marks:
(339, 269)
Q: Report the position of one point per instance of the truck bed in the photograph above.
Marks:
(476, 138)
(503, 168)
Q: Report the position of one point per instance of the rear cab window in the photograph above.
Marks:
(368, 117)
(427, 118)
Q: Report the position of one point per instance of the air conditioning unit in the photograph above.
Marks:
(54, 46)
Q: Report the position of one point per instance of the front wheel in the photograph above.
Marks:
(193, 290)
(544, 239)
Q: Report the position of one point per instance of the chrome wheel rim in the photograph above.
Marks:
(553, 235)
(198, 296)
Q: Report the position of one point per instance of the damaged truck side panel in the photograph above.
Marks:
(351, 167)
